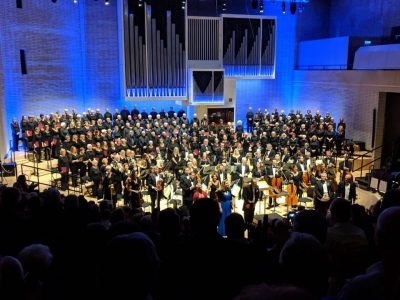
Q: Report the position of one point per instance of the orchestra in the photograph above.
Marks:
(125, 154)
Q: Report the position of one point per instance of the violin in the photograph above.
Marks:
(160, 185)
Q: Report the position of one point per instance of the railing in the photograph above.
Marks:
(362, 156)
(53, 180)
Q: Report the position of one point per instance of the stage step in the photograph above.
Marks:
(363, 182)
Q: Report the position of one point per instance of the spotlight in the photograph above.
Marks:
(183, 4)
(261, 6)
(224, 5)
(75, 1)
(140, 3)
(107, 2)
(293, 7)
(254, 4)
(284, 7)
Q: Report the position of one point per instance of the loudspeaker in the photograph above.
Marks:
(9, 169)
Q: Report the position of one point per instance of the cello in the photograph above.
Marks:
(291, 198)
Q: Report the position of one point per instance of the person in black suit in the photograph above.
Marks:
(269, 152)
(251, 193)
(108, 184)
(347, 189)
(345, 166)
(222, 174)
(250, 120)
(155, 183)
(323, 194)
(188, 185)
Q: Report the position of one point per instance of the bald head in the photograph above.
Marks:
(387, 230)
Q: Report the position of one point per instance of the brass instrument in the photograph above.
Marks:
(142, 164)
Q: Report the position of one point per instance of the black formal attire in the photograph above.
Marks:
(320, 205)
(272, 172)
(95, 176)
(155, 195)
(108, 181)
(250, 197)
(63, 168)
(250, 121)
(341, 191)
(187, 185)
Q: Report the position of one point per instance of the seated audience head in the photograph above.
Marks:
(265, 292)
(305, 263)
(340, 211)
(36, 259)
(311, 222)
(234, 226)
(11, 278)
(204, 217)
(130, 267)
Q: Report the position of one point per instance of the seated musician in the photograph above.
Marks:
(274, 179)
(345, 166)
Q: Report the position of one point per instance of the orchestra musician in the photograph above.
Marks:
(156, 187)
(63, 168)
(132, 185)
(213, 186)
(323, 194)
(108, 184)
(347, 189)
(274, 179)
(251, 195)
(199, 193)
(188, 184)
(345, 166)
(95, 177)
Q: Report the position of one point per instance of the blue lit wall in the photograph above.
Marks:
(270, 93)
(50, 35)
(71, 53)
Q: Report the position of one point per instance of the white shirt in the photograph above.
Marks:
(243, 170)
(221, 177)
(347, 191)
(273, 171)
(325, 187)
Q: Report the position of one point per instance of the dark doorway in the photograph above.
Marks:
(391, 136)
(226, 114)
